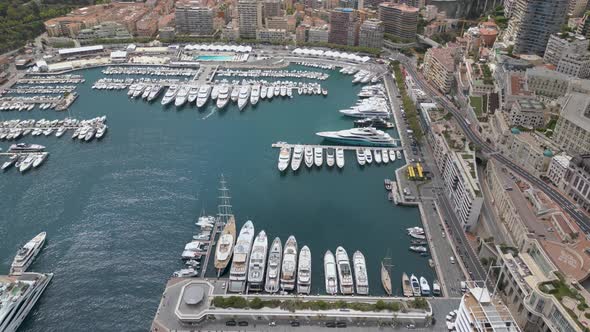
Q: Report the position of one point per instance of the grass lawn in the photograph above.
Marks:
(476, 103)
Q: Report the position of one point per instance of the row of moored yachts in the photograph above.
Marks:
(25, 156)
(316, 65)
(28, 103)
(53, 79)
(258, 267)
(83, 129)
(157, 71)
(38, 89)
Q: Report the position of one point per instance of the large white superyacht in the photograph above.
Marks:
(297, 157)
(155, 92)
(257, 262)
(181, 96)
(289, 267)
(360, 273)
(243, 96)
(25, 256)
(273, 271)
(192, 94)
(239, 266)
(18, 295)
(169, 95)
(203, 96)
(225, 245)
(255, 95)
(344, 271)
(359, 136)
(304, 271)
(223, 97)
(330, 273)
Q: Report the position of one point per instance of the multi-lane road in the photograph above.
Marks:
(570, 208)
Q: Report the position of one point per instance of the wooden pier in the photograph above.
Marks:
(344, 147)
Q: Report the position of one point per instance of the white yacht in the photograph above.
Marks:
(391, 155)
(243, 97)
(360, 156)
(344, 271)
(273, 270)
(340, 157)
(13, 158)
(368, 156)
(239, 267)
(398, 154)
(155, 92)
(203, 95)
(330, 273)
(25, 255)
(138, 90)
(367, 136)
(255, 95)
(289, 266)
(169, 95)
(424, 287)
(435, 288)
(192, 94)
(304, 271)
(39, 159)
(27, 163)
(235, 94)
(257, 262)
(297, 157)
(377, 156)
(146, 91)
(283, 91)
(284, 158)
(366, 112)
(415, 285)
(276, 91)
(318, 157)
(101, 131)
(308, 156)
(18, 295)
(223, 97)
(181, 96)
(24, 147)
(330, 157)
(215, 92)
(360, 273)
(384, 156)
(263, 91)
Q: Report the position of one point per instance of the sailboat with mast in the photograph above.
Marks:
(227, 239)
(386, 274)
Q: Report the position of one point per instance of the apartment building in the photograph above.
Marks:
(532, 22)
(344, 27)
(371, 34)
(572, 131)
(271, 35)
(528, 113)
(557, 168)
(545, 82)
(529, 150)
(459, 173)
(104, 30)
(249, 18)
(318, 35)
(480, 310)
(576, 182)
(277, 23)
(192, 18)
(569, 53)
(439, 67)
(271, 8)
(399, 20)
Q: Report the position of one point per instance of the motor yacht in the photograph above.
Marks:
(297, 157)
(424, 287)
(384, 156)
(26, 255)
(225, 245)
(377, 156)
(368, 156)
(243, 97)
(235, 94)
(169, 95)
(308, 156)
(344, 271)
(318, 157)
(415, 285)
(360, 156)
(181, 96)
(391, 155)
(360, 273)
(284, 158)
(239, 267)
(13, 158)
(257, 262)
(39, 159)
(203, 95)
(215, 92)
(263, 91)
(304, 271)
(330, 157)
(223, 97)
(273, 270)
(330, 273)
(359, 136)
(193, 94)
(255, 95)
(289, 266)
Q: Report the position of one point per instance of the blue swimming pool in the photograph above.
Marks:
(214, 58)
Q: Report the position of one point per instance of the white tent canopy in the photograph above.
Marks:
(218, 47)
(331, 54)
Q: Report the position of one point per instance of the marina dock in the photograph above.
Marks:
(344, 147)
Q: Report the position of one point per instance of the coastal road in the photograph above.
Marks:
(568, 206)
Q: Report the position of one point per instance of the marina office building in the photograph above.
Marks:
(456, 163)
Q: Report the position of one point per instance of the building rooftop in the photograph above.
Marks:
(486, 313)
(446, 56)
(577, 110)
(403, 7)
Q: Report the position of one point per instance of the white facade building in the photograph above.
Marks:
(557, 168)
(250, 18)
(479, 312)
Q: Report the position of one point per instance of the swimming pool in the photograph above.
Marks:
(215, 58)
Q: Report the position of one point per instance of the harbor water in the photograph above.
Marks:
(119, 211)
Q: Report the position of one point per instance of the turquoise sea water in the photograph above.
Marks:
(119, 211)
(214, 58)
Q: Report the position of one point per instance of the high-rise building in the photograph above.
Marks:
(532, 22)
(193, 19)
(249, 18)
(584, 27)
(371, 34)
(318, 35)
(569, 53)
(271, 8)
(344, 27)
(399, 20)
(439, 67)
(572, 131)
(577, 7)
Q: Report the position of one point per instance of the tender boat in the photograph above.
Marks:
(359, 136)
(274, 266)
(424, 287)
(406, 286)
(415, 285)
(368, 156)
(360, 156)
(225, 245)
(330, 273)
(239, 267)
(330, 157)
(344, 272)
(257, 262)
(297, 157)
(318, 157)
(340, 157)
(289, 266)
(304, 271)
(284, 158)
(203, 96)
(25, 256)
(308, 156)
(360, 273)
